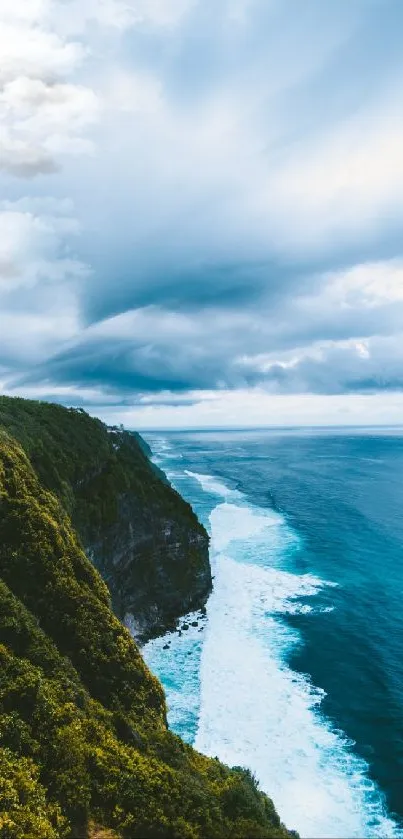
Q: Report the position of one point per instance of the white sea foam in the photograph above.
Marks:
(161, 449)
(256, 712)
(175, 657)
(253, 709)
(231, 522)
(211, 484)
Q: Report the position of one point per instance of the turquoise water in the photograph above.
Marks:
(297, 669)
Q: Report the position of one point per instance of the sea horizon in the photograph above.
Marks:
(199, 429)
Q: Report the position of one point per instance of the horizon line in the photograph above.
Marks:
(374, 426)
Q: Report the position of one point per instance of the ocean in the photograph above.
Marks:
(296, 671)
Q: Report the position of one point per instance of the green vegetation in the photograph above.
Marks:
(85, 464)
(121, 506)
(84, 746)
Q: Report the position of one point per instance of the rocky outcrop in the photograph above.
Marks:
(154, 556)
(142, 536)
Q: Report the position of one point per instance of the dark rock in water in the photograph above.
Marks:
(185, 627)
(166, 647)
(194, 623)
(201, 629)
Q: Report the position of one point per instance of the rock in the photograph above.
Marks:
(143, 538)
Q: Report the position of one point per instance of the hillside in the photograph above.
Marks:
(138, 531)
(84, 746)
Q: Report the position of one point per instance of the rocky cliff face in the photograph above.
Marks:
(154, 556)
(143, 537)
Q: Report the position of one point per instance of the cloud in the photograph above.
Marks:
(219, 182)
(75, 16)
(28, 336)
(356, 365)
(31, 51)
(42, 121)
(368, 285)
(254, 408)
(348, 182)
(41, 115)
(39, 280)
(341, 336)
(236, 191)
(34, 249)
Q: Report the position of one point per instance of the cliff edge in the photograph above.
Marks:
(141, 535)
(84, 745)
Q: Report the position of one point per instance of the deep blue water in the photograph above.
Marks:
(297, 671)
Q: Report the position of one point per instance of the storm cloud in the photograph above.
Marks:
(199, 199)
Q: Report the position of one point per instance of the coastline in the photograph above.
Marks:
(313, 765)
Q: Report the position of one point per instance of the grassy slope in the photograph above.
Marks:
(83, 737)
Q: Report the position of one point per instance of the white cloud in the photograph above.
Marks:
(39, 275)
(254, 408)
(75, 16)
(227, 173)
(211, 153)
(289, 360)
(29, 50)
(368, 285)
(41, 115)
(30, 11)
(357, 364)
(28, 337)
(361, 301)
(41, 121)
(34, 248)
(345, 183)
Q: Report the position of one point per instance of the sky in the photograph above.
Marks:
(201, 209)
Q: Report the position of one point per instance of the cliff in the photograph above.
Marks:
(84, 746)
(142, 536)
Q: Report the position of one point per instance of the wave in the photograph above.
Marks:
(211, 484)
(232, 693)
(175, 657)
(161, 449)
(256, 712)
(231, 522)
